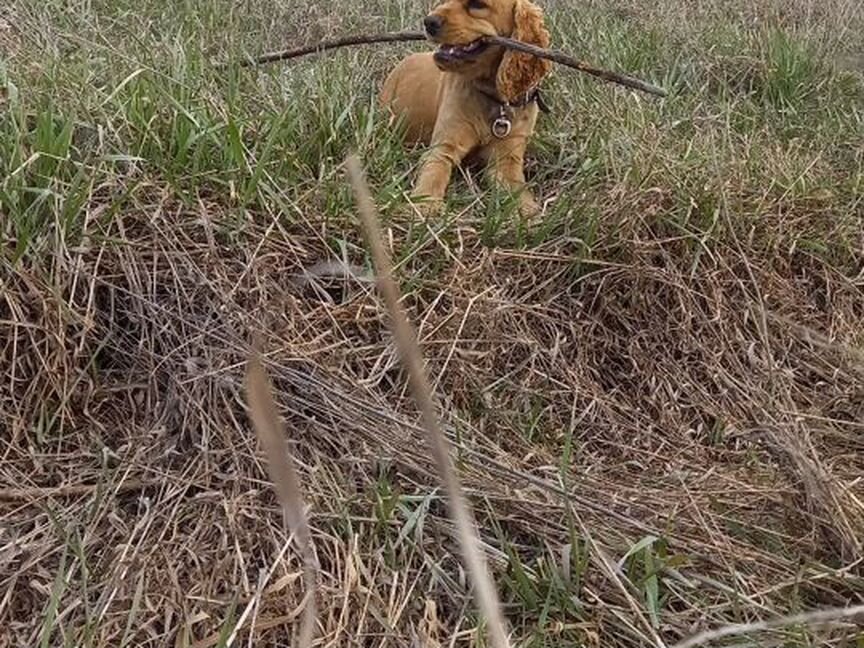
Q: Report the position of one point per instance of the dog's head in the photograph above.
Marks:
(458, 27)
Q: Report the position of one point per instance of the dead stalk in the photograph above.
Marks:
(819, 617)
(409, 350)
(265, 419)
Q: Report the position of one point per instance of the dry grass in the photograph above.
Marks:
(656, 400)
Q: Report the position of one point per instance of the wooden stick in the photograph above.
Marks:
(323, 46)
(509, 43)
(412, 359)
(576, 64)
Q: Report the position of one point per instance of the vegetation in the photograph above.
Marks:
(655, 391)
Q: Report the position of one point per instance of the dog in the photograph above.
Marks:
(471, 99)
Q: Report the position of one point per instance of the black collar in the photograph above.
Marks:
(524, 100)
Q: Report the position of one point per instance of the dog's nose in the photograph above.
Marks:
(432, 25)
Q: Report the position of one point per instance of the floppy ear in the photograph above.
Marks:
(520, 72)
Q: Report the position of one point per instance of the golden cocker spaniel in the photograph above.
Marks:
(470, 97)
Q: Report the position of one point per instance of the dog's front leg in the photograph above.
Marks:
(507, 170)
(449, 148)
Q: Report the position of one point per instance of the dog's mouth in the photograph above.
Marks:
(447, 53)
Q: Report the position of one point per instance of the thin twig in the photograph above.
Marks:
(323, 46)
(576, 64)
(265, 419)
(71, 490)
(509, 43)
(818, 617)
(409, 350)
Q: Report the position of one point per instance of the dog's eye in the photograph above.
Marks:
(476, 4)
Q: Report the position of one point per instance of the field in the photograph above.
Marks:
(655, 391)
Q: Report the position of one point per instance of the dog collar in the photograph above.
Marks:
(501, 123)
(530, 97)
(526, 99)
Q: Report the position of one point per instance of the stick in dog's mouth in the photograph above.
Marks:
(364, 39)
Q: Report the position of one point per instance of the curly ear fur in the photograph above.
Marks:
(520, 72)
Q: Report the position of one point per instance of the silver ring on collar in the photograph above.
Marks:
(502, 125)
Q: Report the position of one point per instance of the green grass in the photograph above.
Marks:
(154, 205)
(138, 91)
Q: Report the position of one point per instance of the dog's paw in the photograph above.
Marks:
(427, 207)
(528, 207)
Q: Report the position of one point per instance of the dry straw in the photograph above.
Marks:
(265, 418)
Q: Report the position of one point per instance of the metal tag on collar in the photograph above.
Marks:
(502, 125)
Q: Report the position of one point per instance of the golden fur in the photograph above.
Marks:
(446, 103)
